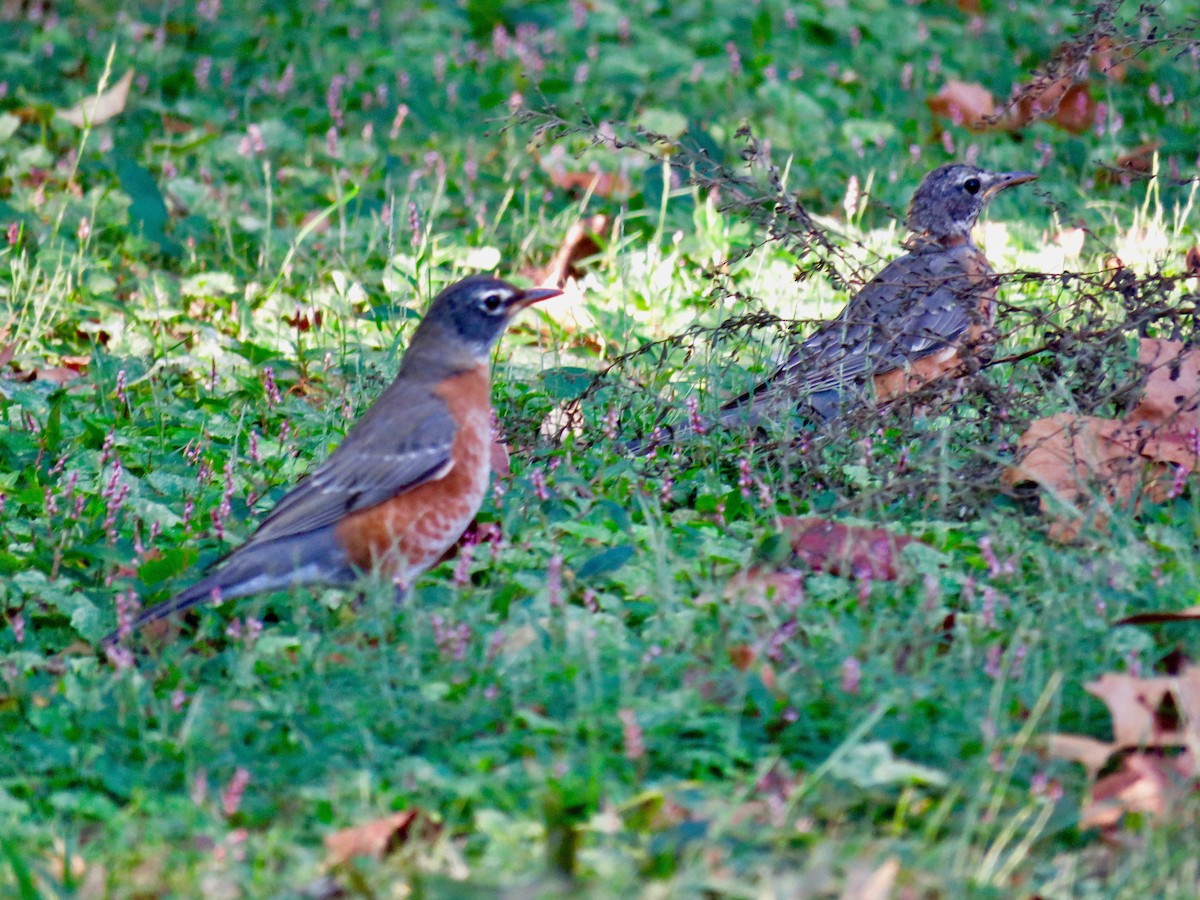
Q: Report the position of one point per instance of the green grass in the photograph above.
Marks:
(636, 726)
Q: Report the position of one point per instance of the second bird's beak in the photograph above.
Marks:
(530, 297)
(1004, 180)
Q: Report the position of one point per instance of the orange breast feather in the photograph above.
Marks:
(406, 535)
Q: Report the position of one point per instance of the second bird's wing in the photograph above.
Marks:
(919, 304)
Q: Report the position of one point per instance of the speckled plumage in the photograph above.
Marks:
(912, 321)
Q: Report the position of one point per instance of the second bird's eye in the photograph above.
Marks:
(492, 302)
(971, 185)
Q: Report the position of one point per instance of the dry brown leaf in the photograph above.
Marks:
(1162, 711)
(742, 656)
(1140, 158)
(601, 184)
(1108, 59)
(1150, 718)
(1171, 395)
(1076, 459)
(848, 550)
(1191, 614)
(60, 375)
(375, 839)
(1080, 748)
(1062, 100)
(1144, 784)
(173, 125)
(98, 110)
(1076, 112)
(564, 271)
(578, 244)
(963, 103)
(770, 680)
(1070, 458)
(867, 884)
(1191, 261)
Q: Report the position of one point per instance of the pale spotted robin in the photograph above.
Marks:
(912, 323)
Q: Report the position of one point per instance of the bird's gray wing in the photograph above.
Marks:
(403, 441)
(919, 304)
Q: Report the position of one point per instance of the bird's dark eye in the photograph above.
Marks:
(491, 302)
(971, 185)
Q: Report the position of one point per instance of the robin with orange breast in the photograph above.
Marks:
(408, 478)
(912, 323)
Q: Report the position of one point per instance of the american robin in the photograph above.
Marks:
(404, 483)
(910, 324)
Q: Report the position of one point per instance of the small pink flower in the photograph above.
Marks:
(745, 477)
(198, 792)
(398, 121)
(666, 489)
(231, 797)
(631, 733)
(735, 59)
(989, 556)
(988, 613)
(273, 396)
(127, 607)
(851, 675)
(414, 223)
(1178, 483)
(202, 70)
(120, 657)
(612, 419)
(538, 479)
(991, 666)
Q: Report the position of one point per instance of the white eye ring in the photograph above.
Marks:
(492, 303)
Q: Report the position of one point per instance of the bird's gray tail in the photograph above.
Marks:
(312, 558)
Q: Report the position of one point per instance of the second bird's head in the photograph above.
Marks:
(950, 199)
(470, 315)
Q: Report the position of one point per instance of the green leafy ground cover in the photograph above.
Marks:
(233, 262)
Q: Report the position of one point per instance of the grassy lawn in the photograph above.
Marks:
(628, 685)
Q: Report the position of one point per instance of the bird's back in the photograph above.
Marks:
(919, 304)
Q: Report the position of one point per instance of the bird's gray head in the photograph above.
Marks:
(469, 316)
(950, 199)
